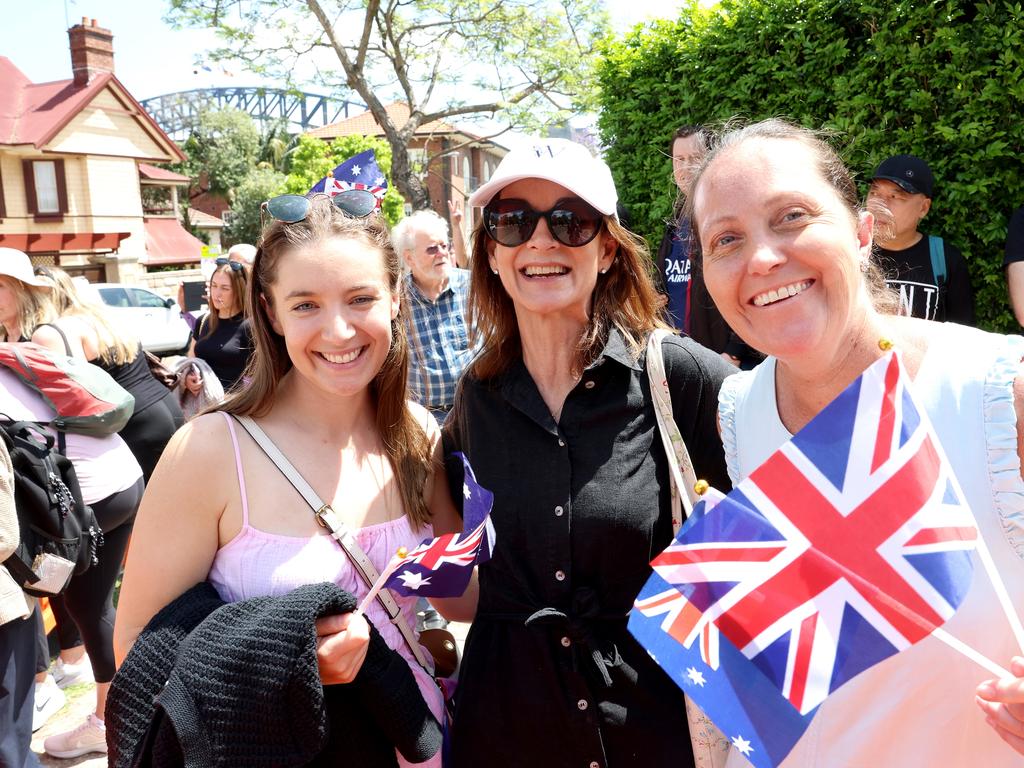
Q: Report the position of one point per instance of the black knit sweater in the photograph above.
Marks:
(237, 685)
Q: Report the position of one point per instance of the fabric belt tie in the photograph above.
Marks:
(579, 625)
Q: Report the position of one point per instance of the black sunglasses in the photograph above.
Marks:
(221, 261)
(512, 222)
(356, 203)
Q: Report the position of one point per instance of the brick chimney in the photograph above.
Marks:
(92, 50)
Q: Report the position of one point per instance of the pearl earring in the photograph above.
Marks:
(604, 271)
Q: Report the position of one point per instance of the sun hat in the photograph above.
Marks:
(910, 173)
(14, 263)
(560, 161)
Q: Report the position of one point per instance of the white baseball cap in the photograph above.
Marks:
(14, 263)
(563, 162)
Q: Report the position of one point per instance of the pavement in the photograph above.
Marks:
(81, 701)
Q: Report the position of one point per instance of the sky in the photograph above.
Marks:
(150, 57)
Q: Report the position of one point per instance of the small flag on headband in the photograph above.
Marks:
(441, 567)
(846, 546)
(359, 172)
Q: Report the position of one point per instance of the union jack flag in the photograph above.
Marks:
(849, 544)
(358, 172)
(442, 566)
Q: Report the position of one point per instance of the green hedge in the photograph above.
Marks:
(942, 80)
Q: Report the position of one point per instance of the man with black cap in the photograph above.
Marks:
(929, 273)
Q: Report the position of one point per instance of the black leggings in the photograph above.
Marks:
(89, 598)
(148, 431)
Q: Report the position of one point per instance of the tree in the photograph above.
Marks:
(526, 59)
(941, 80)
(222, 149)
(261, 184)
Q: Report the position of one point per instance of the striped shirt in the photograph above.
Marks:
(438, 340)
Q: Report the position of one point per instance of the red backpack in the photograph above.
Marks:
(84, 397)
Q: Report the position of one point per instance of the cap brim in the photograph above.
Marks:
(486, 193)
(903, 184)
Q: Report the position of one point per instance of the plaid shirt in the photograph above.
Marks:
(438, 340)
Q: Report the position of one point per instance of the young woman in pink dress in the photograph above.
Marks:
(327, 384)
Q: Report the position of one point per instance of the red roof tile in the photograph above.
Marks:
(154, 173)
(33, 113)
(167, 242)
(366, 125)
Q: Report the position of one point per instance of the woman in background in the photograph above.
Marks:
(84, 330)
(223, 337)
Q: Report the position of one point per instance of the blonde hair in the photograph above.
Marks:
(35, 307)
(624, 298)
(239, 291)
(405, 441)
(116, 346)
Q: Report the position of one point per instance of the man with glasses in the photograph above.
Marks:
(436, 318)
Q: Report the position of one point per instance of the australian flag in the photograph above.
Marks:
(850, 543)
(442, 567)
(359, 172)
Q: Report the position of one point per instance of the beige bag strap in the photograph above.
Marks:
(681, 468)
(328, 519)
(709, 745)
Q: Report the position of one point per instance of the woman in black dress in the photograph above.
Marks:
(556, 417)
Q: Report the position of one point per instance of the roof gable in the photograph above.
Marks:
(36, 113)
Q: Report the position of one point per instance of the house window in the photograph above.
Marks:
(45, 172)
(45, 188)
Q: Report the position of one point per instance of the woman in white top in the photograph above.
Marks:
(786, 255)
(112, 485)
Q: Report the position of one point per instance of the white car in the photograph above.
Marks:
(151, 318)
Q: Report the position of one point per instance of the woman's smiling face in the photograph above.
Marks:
(334, 307)
(543, 276)
(781, 250)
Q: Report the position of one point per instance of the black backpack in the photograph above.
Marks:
(54, 521)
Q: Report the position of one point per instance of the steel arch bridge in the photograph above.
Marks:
(178, 112)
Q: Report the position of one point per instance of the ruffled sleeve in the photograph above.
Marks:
(1001, 441)
(727, 399)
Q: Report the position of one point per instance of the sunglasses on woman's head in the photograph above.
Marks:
(571, 221)
(355, 203)
(222, 261)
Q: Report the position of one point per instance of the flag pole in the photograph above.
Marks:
(1003, 596)
(379, 583)
(959, 645)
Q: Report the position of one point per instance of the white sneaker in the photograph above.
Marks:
(48, 700)
(66, 673)
(90, 736)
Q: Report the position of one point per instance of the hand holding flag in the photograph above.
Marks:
(442, 566)
(848, 544)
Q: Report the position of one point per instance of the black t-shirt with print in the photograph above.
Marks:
(909, 272)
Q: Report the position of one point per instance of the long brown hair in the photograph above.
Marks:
(624, 298)
(239, 291)
(405, 442)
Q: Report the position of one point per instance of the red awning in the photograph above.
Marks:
(75, 242)
(167, 242)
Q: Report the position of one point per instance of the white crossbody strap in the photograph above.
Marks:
(340, 532)
(710, 747)
(681, 468)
